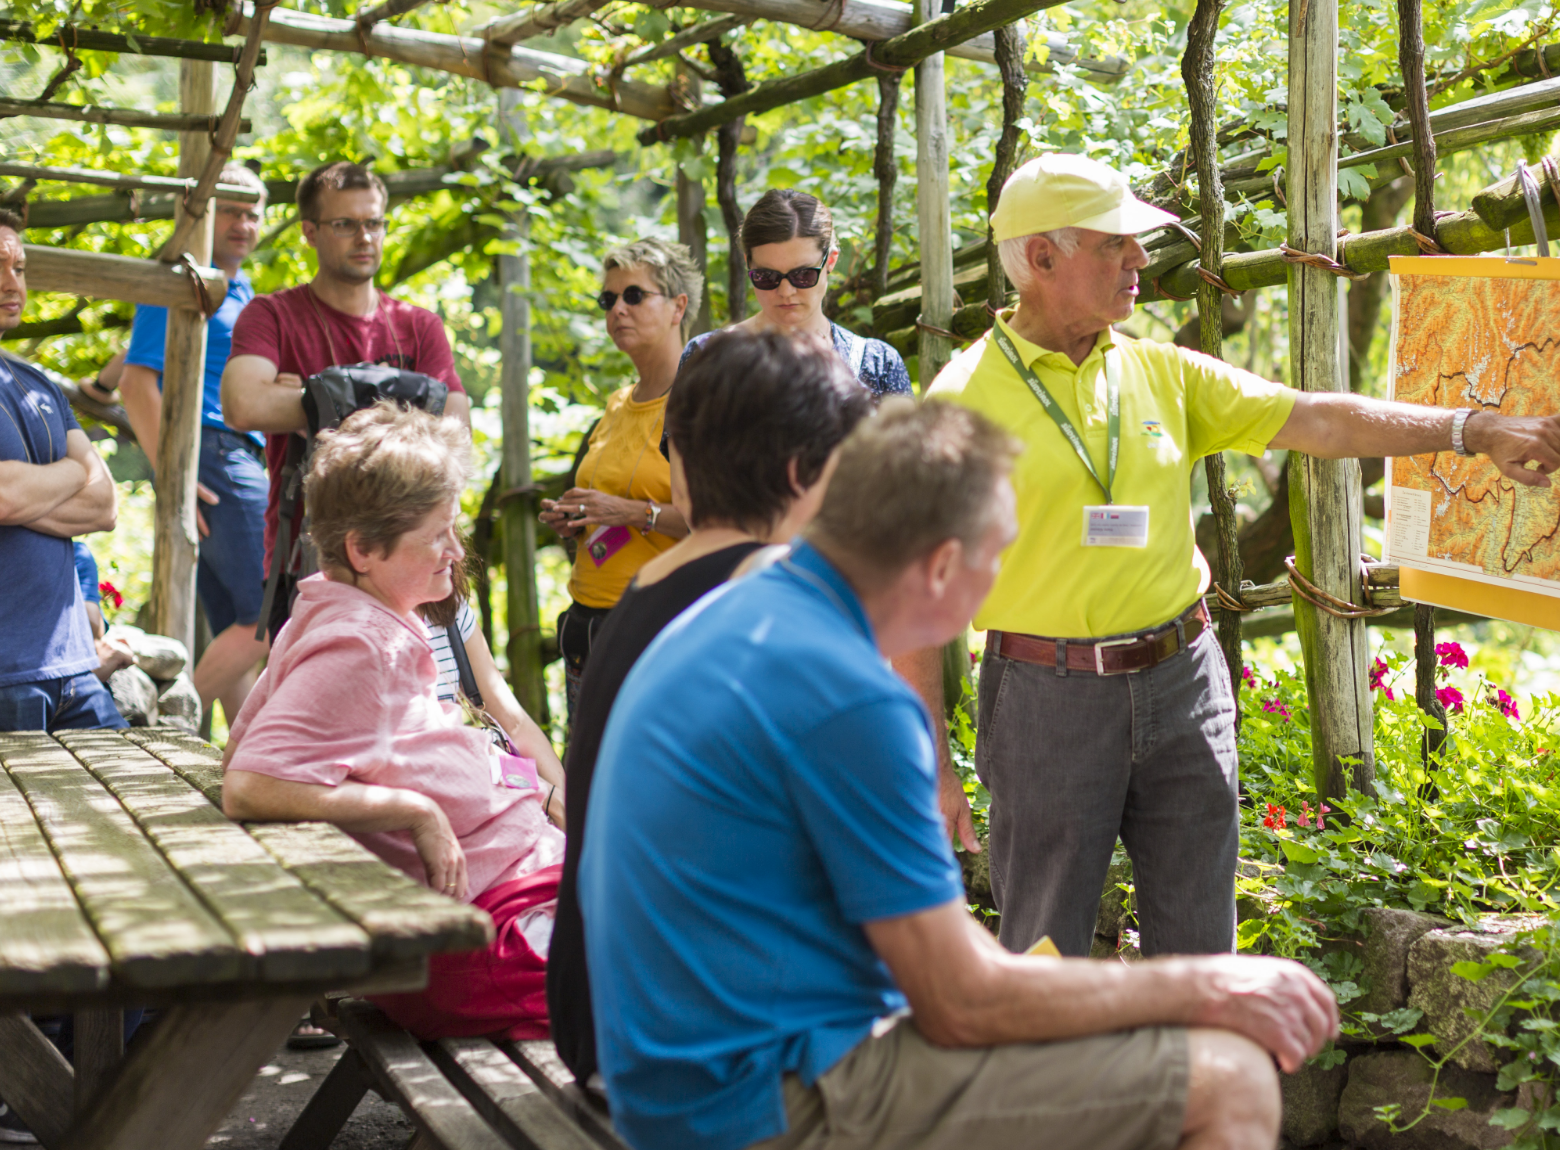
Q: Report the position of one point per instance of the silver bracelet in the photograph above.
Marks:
(1459, 419)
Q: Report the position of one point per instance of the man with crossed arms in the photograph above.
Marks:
(1105, 704)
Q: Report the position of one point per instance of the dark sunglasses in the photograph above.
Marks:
(633, 296)
(767, 279)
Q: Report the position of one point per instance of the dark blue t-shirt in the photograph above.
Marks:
(87, 572)
(876, 364)
(149, 341)
(766, 785)
(45, 625)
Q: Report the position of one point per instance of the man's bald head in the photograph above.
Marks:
(13, 278)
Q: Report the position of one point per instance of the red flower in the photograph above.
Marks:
(1378, 675)
(1247, 677)
(1451, 654)
(1274, 707)
(1507, 705)
(111, 594)
(1275, 817)
(1450, 698)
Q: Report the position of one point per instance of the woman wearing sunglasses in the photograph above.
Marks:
(788, 240)
(620, 507)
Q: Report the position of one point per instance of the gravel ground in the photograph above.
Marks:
(283, 1088)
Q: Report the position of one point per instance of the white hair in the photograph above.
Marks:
(1014, 253)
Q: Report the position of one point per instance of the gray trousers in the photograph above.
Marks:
(1074, 761)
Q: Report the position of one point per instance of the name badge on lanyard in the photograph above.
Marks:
(1115, 525)
(1108, 524)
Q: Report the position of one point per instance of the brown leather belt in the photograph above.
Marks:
(1104, 656)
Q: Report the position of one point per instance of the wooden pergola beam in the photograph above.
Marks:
(896, 54)
(537, 20)
(91, 40)
(124, 117)
(884, 19)
(168, 184)
(100, 276)
(388, 10)
(688, 38)
(561, 76)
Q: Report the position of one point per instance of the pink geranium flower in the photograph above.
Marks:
(1451, 654)
(1378, 675)
(1450, 698)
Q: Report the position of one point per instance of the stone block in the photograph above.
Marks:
(1388, 935)
(1404, 1077)
(1311, 1096)
(1446, 997)
(135, 695)
(1115, 913)
(159, 656)
(178, 705)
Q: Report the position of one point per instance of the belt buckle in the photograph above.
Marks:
(1099, 659)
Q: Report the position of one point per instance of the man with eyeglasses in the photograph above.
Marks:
(232, 485)
(338, 318)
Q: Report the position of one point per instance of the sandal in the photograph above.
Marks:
(307, 1036)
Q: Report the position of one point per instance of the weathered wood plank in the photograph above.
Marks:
(403, 918)
(511, 1103)
(99, 275)
(99, 1049)
(47, 942)
(156, 931)
(291, 934)
(175, 1089)
(539, 1059)
(428, 1098)
(35, 1079)
(333, 1103)
(192, 759)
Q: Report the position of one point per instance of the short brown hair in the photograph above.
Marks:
(911, 479)
(340, 176)
(379, 475)
(12, 220)
(746, 405)
(242, 176)
(783, 214)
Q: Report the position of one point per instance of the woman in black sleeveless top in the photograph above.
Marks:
(754, 423)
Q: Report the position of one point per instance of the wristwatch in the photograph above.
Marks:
(652, 513)
(1459, 419)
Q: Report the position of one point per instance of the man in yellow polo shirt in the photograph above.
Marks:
(1105, 704)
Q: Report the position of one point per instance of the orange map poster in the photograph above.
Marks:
(1482, 333)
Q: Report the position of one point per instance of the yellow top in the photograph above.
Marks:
(624, 459)
(1176, 407)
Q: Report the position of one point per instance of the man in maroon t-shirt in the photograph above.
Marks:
(338, 318)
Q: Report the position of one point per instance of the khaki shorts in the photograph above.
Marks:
(899, 1092)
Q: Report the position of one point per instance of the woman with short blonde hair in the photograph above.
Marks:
(345, 725)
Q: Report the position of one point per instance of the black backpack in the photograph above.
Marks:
(328, 398)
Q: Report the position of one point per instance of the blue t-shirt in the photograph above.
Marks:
(876, 364)
(766, 785)
(149, 341)
(46, 630)
(87, 572)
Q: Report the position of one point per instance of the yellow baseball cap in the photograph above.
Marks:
(1058, 190)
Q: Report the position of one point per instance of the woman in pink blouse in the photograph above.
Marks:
(346, 726)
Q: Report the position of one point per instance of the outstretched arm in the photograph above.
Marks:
(1334, 425)
(965, 990)
(93, 506)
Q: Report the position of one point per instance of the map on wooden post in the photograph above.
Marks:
(1480, 333)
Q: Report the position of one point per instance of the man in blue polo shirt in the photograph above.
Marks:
(779, 949)
(233, 488)
(52, 486)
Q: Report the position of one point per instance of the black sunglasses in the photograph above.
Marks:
(633, 296)
(767, 279)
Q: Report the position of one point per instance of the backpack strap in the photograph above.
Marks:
(468, 678)
(287, 509)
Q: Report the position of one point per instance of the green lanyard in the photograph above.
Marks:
(1054, 410)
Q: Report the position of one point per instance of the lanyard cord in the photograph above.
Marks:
(1054, 410)
(628, 491)
(22, 437)
(330, 344)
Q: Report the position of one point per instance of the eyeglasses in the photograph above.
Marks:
(243, 215)
(633, 296)
(767, 279)
(346, 227)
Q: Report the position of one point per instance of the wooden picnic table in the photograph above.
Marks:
(122, 884)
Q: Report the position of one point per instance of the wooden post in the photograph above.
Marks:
(931, 201)
(1197, 69)
(691, 227)
(1325, 506)
(886, 169)
(1015, 83)
(176, 544)
(519, 509)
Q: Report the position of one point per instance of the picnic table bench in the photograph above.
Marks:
(122, 884)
